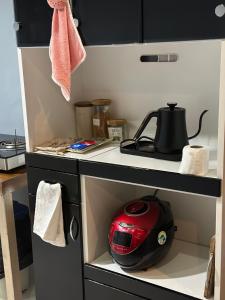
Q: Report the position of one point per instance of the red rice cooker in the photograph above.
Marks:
(141, 233)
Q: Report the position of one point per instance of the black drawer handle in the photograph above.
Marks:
(54, 182)
(74, 228)
(51, 182)
(17, 26)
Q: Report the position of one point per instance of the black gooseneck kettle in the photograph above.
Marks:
(171, 134)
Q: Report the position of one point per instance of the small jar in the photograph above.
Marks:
(117, 129)
(100, 117)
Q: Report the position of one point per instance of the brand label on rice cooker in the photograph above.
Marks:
(162, 238)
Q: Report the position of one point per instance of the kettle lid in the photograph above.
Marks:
(172, 106)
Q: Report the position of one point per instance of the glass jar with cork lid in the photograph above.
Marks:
(100, 117)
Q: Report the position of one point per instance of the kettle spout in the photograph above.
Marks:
(199, 126)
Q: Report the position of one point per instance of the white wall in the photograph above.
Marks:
(47, 114)
(137, 88)
(10, 98)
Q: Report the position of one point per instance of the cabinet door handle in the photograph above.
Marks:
(76, 22)
(17, 26)
(220, 10)
(74, 228)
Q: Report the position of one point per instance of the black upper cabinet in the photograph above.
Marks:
(174, 20)
(34, 22)
(105, 22)
(109, 21)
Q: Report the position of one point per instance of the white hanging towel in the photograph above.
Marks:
(48, 218)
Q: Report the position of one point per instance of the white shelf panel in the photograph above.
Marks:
(115, 157)
(107, 162)
(183, 270)
(111, 154)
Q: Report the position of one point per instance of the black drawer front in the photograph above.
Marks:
(70, 183)
(95, 290)
(60, 164)
(59, 271)
(130, 285)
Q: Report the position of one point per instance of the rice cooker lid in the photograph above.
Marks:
(137, 208)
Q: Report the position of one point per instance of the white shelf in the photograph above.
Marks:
(111, 154)
(183, 270)
(115, 157)
(146, 171)
(108, 162)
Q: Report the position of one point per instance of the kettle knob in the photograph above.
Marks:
(172, 105)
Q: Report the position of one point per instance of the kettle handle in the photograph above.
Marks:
(199, 126)
(145, 122)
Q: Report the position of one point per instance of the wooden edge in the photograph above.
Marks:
(23, 95)
(11, 185)
(84, 218)
(9, 247)
(220, 207)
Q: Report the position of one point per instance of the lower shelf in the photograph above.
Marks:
(183, 270)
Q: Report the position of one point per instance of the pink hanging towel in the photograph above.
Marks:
(66, 49)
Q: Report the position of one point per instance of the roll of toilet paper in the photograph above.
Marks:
(195, 160)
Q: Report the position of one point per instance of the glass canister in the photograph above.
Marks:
(117, 130)
(100, 117)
